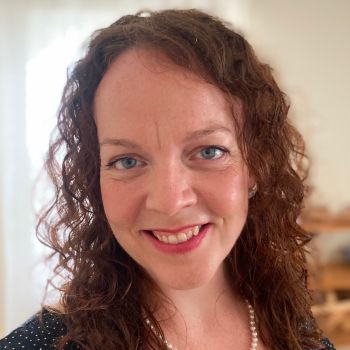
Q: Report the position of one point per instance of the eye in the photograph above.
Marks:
(124, 163)
(212, 152)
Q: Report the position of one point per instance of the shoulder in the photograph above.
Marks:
(328, 345)
(38, 333)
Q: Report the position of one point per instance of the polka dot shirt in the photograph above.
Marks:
(36, 334)
(328, 344)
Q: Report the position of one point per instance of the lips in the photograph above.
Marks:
(174, 237)
(178, 247)
(178, 237)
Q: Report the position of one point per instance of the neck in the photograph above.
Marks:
(199, 311)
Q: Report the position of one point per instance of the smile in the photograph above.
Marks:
(177, 238)
(178, 241)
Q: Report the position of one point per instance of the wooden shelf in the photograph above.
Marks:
(331, 277)
(330, 280)
(320, 219)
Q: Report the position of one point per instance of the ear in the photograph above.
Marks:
(251, 181)
(252, 187)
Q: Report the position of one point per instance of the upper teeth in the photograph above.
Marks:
(179, 237)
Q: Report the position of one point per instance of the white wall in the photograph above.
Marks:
(14, 186)
(308, 43)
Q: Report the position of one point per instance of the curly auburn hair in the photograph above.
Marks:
(104, 294)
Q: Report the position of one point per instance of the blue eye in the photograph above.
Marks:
(125, 163)
(212, 152)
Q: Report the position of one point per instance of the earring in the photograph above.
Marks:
(252, 191)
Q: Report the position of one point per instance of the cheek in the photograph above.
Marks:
(119, 203)
(229, 193)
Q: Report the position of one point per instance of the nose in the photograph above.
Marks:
(170, 189)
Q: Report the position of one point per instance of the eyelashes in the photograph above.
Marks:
(213, 152)
(124, 163)
(131, 162)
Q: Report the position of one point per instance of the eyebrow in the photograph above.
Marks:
(119, 142)
(189, 137)
(206, 132)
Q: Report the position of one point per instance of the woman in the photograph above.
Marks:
(177, 198)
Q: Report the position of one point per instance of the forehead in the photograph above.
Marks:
(143, 86)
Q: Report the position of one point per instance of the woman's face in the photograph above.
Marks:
(173, 181)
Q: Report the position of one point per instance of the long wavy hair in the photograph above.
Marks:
(103, 296)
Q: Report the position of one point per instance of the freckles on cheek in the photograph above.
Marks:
(231, 194)
(115, 203)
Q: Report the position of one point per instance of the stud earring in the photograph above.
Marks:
(252, 191)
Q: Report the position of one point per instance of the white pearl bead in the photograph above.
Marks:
(252, 327)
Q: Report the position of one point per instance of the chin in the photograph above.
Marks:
(187, 280)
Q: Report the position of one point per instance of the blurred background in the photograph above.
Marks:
(306, 41)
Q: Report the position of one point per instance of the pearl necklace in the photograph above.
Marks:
(252, 326)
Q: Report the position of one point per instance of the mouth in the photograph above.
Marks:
(178, 237)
